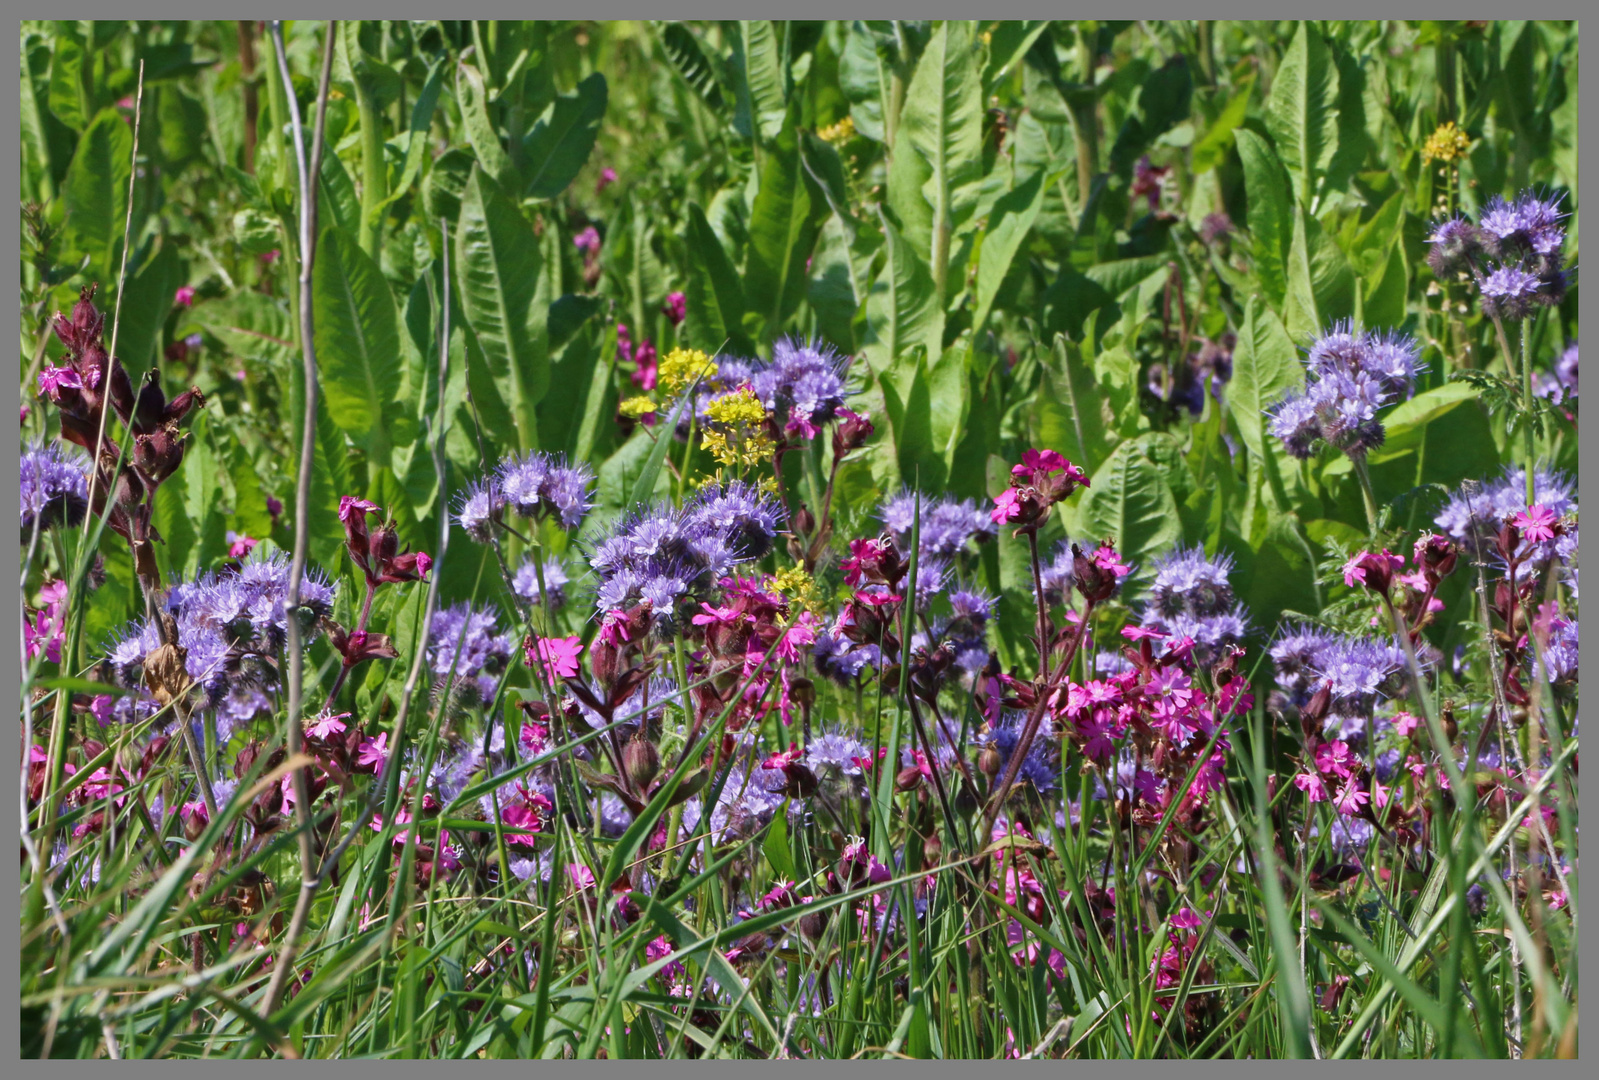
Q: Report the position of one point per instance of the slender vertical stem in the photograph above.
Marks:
(1526, 405)
(302, 499)
(1366, 494)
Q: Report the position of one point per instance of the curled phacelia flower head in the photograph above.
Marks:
(1453, 248)
(1350, 376)
(54, 489)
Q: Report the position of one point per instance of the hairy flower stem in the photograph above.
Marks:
(1368, 496)
(1526, 405)
(344, 669)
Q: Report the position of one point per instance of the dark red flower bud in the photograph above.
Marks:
(852, 432)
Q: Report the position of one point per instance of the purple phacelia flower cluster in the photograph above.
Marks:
(1473, 516)
(1359, 674)
(1349, 377)
(533, 485)
(1192, 597)
(526, 583)
(803, 386)
(1514, 252)
(1560, 385)
(948, 524)
(55, 487)
(666, 555)
(229, 626)
(467, 642)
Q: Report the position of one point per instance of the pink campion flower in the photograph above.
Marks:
(49, 630)
(327, 725)
(1379, 793)
(676, 308)
(350, 506)
(270, 257)
(784, 759)
(606, 179)
(861, 554)
(1334, 757)
(1405, 723)
(100, 708)
(797, 638)
(559, 656)
(374, 752)
(1187, 919)
(52, 379)
(580, 876)
(240, 545)
(1106, 559)
(1007, 506)
(1311, 784)
(588, 240)
(1351, 797)
(184, 296)
(1537, 524)
(719, 615)
(1097, 732)
(1139, 633)
(1039, 461)
(1372, 570)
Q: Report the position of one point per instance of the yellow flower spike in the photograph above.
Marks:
(840, 132)
(635, 407)
(1446, 144)
(741, 407)
(680, 367)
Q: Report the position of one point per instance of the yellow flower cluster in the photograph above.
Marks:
(1446, 144)
(739, 407)
(841, 132)
(635, 407)
(796, 583)
(735, 431)
(680, 367)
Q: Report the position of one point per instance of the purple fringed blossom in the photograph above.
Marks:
(666, 555)
(481, 507)
(544, 483)
(55, 488)
(526, 583)
(1298, 653)
(1528, 225)
(1350, 376)
(467, 640)
(1472, 518)
(1453, 248)
(1561, 383)
(836, 658)
(948, 523)
(1039, 768)
(836, 754)
(803, 386)
(1561, 656)
(1192, 597)
(1510, 293)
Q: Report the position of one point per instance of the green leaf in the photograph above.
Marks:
(357, 341)
(644, 486)
(144, 309)
(900, 310)
(1210, 149)
(498, 264)
(66, 98)
(1270, 212)
(1321, 286)
(784, 224)
(691, 62)
(1008, 225)
(563, 138)
(95, 195)
(1265, 367)
(1302, 111)
(337, 202)
(762, 97)
(1162, 101)
(943, 120)
(714, 298)
(1069, 413)
(778, 855)
(480, 131)
(908, 402)
(416, 140)
(1010, 41)
(1129, 501)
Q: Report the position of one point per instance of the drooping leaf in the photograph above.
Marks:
(1321, 286)
(762, 93)
(1265, 367)
(498, 263)
(1302, 110)
(357, 342)
(943, 120)
(416, 139)
(714, 298)
(480, 130)
(1129, 501)
(1008, 225)
(784, 224)
(1271, 219)
(95, 195)
(559, 145)
(901, 309)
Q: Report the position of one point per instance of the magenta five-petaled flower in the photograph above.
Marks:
(1007, 506)
(184, 296)
(373, 752)
(1373, 570)
(1537, 523)
(559, 656)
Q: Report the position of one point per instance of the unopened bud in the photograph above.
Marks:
(642, 762)
(989, 762)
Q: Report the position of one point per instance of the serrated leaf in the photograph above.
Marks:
(1270, 212)
(784, 223)
(480, 131)
(943, 120)
(714, 298)
(357, 342)
(498, 263)
(563, 138)
(1265, 368)
(1129, 501)
(95, 194)
(1302, 110)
